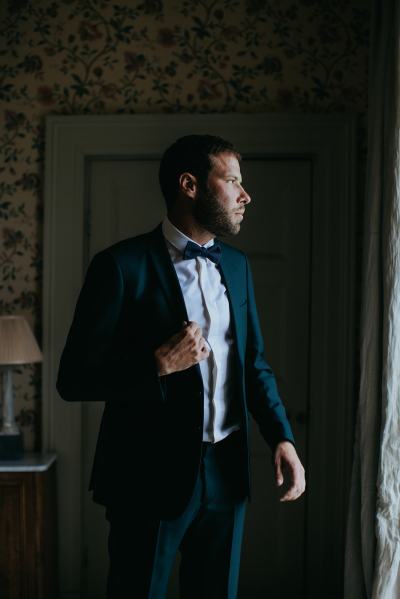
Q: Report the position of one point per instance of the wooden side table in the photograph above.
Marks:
(28, 527)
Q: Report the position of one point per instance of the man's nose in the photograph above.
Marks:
(244, 196)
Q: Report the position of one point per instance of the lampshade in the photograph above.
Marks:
(17, 343)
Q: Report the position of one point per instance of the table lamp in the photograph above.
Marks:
(17, 346)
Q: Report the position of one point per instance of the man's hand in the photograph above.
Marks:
(182, 350)
(286, 459)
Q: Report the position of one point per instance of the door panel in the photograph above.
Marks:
(124, 200)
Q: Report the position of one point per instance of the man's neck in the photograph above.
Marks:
(191, 229)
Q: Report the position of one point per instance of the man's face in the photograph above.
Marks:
(219, 208)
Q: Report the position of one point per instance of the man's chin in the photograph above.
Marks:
(235, 230)
(219, 227)
(226, 231)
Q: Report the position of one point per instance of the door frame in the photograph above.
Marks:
(328, 142)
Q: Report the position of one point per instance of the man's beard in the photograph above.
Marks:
(209, 213)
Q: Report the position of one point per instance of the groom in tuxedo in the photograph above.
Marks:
(166, 333)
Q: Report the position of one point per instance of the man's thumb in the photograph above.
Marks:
(278, 473)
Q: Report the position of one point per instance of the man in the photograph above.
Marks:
(166, 332)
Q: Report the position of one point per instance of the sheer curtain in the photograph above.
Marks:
(372, 561)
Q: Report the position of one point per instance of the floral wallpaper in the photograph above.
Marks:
(103, 57)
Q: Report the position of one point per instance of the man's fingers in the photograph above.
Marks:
(191, 324)
(203, 352)
(197, 344)
(292, 494)
(192, 328)
(184, 349)
(296, 489)
(286, 458)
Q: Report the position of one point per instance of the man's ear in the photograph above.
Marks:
(188, 184)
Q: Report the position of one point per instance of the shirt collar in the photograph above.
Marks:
(177, 238)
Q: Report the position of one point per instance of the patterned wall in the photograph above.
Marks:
(104, 57)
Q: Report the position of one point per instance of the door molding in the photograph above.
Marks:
(328, 141)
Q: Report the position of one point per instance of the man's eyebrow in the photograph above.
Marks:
(233, 176)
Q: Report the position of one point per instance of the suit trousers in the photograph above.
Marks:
(208, 535)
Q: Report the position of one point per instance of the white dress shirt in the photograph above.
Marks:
(207, 304)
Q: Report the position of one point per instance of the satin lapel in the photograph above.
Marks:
(169, 282)
(167, 275)
(233, 281)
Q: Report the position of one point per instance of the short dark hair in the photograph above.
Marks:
(192, 154)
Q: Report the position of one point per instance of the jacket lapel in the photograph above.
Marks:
(169, 282)
(233, 280)
(167, 276)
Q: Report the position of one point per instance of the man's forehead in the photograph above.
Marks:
(225, 161)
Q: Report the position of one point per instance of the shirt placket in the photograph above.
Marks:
(202, 266)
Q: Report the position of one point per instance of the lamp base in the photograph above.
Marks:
(11, 446)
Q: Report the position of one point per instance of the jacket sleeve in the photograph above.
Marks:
(90, 368)
(262, 394)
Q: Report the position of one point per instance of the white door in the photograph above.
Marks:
(124, 200)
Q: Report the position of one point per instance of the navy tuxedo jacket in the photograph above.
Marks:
(149, 444)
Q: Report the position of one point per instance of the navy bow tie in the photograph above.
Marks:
(192, 250)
